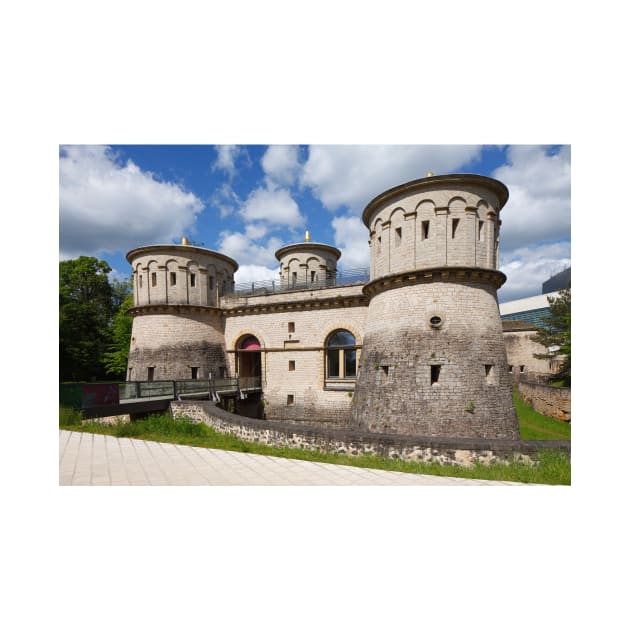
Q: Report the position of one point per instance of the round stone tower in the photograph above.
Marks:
(433, 359)
(306, 265)
(178, 330)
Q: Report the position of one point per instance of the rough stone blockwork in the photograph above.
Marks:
(548, 400)
(459, 451)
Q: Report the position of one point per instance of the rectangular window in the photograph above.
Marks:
(173, 278)
(522, 368)
(454, 224)
(150, 373)
(194, 371)
(291, 366)
(480, 234)
(130, 371)
(488, 369)
(435, 374)
(291, 327)
(211, 283)
(511, 368)
(294, 277)
(333, 363)
(193, 279)
(313, 276)
(290, 399)
(425, 230)
(350, 363)
(398, 236)
(153, 279)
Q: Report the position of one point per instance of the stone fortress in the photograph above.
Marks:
(416, 349)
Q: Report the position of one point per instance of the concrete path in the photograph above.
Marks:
(87, 459)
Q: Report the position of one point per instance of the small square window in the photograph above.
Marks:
(291, 327)
(291, 366)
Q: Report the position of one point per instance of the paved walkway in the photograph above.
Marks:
(87, 459)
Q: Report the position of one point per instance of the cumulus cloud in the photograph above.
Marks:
(350, 176)
(539, 207)
(527, 268)
(225, 200)
(281, 164)
(242, 248)
(272, 205)
(351, 237)
(227, 155)
(255, 273)
(105, 206)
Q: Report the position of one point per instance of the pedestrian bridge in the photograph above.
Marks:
(97, 400)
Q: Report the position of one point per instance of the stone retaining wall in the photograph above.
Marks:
(545, 399)
(460, 451)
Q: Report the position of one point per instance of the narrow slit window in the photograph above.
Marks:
(398, 236)
(294, 277)
(511, 367)
(480, 233)
(153, 279)
(454, 227)
(173, 277)
(211, 283)
(290, 399)
(194, 372)
(313, 276)
(193, 280)
(488, 369)
(130, 372)
(435, 374)
(291, 366)
(522, 368)
(150, 373)
(425, 230)
(140, 279)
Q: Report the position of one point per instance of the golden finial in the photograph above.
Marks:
(184, 240)
(429, 174)
(307, 237)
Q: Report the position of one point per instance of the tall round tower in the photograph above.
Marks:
(178, 329)
(306, 265)
(433, 359)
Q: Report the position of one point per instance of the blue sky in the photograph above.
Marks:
(248, 200)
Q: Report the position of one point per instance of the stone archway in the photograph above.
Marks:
(248, 358)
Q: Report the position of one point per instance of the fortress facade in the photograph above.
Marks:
(416, 349)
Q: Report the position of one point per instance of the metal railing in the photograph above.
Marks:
(263, 287)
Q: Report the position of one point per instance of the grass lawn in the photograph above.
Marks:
(554, 467)
(535, 426)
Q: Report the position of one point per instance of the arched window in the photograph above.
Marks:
(341, 356)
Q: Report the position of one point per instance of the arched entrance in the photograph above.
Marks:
(248, 361)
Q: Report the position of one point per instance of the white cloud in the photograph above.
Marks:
(274, 206)
(255, 230)
(242, 248)
(351, 176)
(528, 267)
(539, 207)
(225, 200)
(227, 154)
(281, 164)
(351, 237)
(105, 206)
(255, 273)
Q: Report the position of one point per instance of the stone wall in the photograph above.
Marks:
(520, 348)
(464, 452)
(548, 400)
(172, 342)
(448, 380)
(293, 360)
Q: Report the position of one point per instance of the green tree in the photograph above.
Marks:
(85, 314)
(118, 353)
(556, 334)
